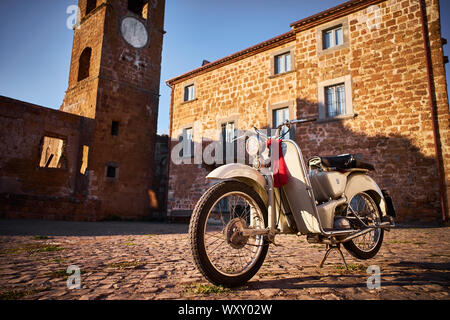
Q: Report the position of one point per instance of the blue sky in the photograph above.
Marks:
(36, 44)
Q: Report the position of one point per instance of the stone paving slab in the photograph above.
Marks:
(123, 260)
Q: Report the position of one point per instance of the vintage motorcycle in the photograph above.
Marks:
(334, 202)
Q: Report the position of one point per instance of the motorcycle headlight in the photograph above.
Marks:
(254, 146)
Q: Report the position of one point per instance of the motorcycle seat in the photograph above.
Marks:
(345, 162)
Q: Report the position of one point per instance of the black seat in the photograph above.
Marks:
(346, 162)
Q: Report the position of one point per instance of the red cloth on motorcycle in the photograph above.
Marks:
(280, 170)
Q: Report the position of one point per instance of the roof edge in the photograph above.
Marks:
(298, 26)
(334, 12)
(285, 37)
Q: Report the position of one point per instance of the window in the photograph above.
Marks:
(136, 6)
(279, 116)
(84, 160)
(335, 100)
(115, 128)
(189, 92)
(188, 142)
(228, 132)
(111, 172)
(53, 154)
(279, 113)
(228, 144)
(282, 63)
(333, 37)
(84, 64)
(90, 5)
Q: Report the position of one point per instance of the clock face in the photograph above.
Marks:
(134, 32)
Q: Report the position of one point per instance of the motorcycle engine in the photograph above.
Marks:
(341, 223)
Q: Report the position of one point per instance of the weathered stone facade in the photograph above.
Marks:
(107, 123)
(30, 190)
(383, 63)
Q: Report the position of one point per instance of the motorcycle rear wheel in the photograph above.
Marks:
(223, 255)
(366, 246)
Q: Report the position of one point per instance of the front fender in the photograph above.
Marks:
(243, 173)
(360, 182)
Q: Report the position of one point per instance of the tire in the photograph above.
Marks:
(352, 246)
(211, 269)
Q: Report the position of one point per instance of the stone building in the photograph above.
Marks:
(380, 59)
(94, 158)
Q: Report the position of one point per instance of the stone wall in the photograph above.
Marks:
(384, 63)
(100, 150)
(28, 188)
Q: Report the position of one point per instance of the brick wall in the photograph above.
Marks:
(120, 86)
(387, 70)
(26, 188)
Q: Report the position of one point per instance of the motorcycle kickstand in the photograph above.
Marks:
(331, 247)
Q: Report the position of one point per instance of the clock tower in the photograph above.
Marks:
(114, 78)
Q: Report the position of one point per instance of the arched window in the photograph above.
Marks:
(84, 64)
(90, 5)
(137, 6)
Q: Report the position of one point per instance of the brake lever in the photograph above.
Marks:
(236, 139)
(260, 133)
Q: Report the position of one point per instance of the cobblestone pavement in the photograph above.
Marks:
(122, 260)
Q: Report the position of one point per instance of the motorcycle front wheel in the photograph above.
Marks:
(222, 254)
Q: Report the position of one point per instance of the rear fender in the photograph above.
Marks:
(361, 182)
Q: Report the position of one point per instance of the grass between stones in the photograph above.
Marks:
(200, 288)
(61, 274)
(126, 265)
(19, 294)
(352, 267)
(400, 242)
(32, 248)
(129, 242)
(406, 242)
(38, 237)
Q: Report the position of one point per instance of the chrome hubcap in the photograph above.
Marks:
(233, 232)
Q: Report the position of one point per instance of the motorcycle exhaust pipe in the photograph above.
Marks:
(362, 232)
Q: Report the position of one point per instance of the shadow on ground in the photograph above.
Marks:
(406, 273)
(71, 228)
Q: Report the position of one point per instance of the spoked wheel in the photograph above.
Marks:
(367, 245)
(221, 252)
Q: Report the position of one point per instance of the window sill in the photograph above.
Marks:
(337, 118)
(281, 74)
(189, 101)
(332, 49)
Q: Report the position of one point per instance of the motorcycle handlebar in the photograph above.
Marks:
(305, 120)
(288, 123)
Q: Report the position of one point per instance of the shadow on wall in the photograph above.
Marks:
(401, 166)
